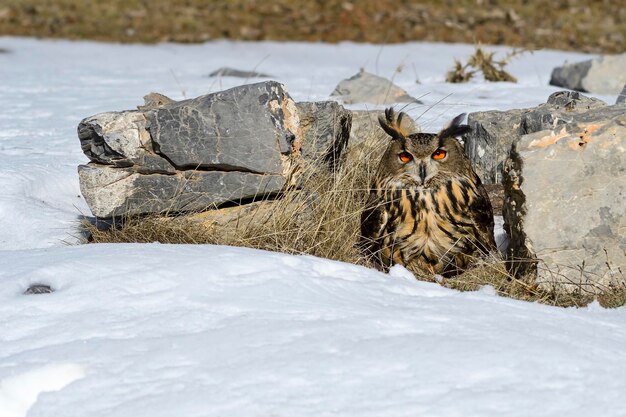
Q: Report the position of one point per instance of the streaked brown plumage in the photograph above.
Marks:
(427, 208)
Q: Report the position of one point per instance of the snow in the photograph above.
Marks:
(163, 330)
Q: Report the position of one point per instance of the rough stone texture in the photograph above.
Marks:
(325, 128)
(369, 88)
(565, 202)
(604, 75)
(122, 140)
(561, 108)
(244, 128)
(112, 192)
(38, 289)
(487, 145)
(188, 155)
(621, 99)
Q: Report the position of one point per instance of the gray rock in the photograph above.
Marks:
(571, 75)
(560, 109)
(325, 128)
(621, 99)
(112, 192)
(565, 202)
(493, 132)
(189, 155)
(231, 72)
(604, 75)
(369, 88)
(121, 139)
(245, 128)
(488, 144)
(38, 289)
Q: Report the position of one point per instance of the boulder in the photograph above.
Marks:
(238, 145)
(488, 143)
(235, 145)
(565, 200)
(325, 128)
(604, 75)
(364, 87)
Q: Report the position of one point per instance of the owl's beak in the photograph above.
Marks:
(422, 172)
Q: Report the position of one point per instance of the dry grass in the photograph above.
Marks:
(484, 62)
(580, 25)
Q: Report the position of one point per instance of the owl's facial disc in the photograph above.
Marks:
(421, 171)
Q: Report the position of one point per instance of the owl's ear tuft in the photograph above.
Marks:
(392, 124)
(454, 128)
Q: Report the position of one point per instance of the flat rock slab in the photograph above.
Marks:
(604, 75)
(244, 128)
(369, 88)
(235, 145)
(565, 202)
(113, 192)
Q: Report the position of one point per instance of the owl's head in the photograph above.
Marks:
(422, 160)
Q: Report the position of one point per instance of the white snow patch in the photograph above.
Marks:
(19, 392)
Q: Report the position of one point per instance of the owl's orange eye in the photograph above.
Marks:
(439, 154)
(405, 157)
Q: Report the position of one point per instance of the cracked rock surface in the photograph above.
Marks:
(230, 146)
(492, 133)
(565, 196)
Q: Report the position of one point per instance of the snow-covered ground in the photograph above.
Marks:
(161, 330)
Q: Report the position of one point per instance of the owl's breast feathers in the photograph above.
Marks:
(432, 229)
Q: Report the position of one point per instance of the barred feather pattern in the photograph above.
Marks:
(435, 230)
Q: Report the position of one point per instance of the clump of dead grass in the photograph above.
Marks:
(491, 270)
(482, 62)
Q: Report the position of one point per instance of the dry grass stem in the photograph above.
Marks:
(484, 62)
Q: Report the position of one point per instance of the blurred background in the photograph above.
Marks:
(597, 26)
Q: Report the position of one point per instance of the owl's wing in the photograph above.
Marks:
(482, 217)
(373, 223)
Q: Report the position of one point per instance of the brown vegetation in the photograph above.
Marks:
(581, 25)
(484, 62)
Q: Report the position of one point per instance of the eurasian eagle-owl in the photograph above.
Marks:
(427, 208)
